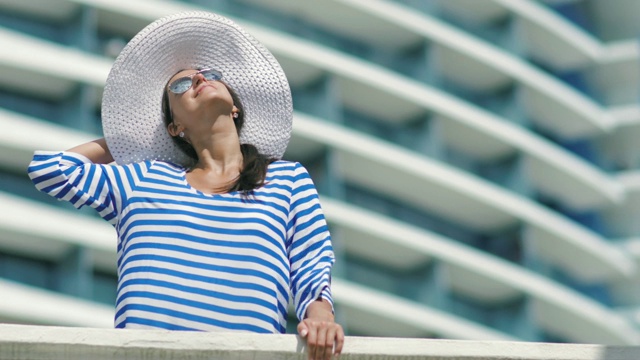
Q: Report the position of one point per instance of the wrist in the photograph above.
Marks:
(320, 309)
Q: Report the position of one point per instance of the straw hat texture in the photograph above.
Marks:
(132, 118)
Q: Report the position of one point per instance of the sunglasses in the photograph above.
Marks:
(180, 85)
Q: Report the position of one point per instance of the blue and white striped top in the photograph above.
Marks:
(194, 261)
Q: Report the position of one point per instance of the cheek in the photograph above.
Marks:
(180, 106)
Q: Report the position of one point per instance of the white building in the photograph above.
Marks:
(477, 159)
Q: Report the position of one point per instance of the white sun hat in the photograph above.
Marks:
(132, 119)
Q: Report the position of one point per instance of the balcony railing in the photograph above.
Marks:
(43, 342)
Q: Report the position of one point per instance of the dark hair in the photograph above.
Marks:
(254, 168)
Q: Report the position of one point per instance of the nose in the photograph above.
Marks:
(197, 79)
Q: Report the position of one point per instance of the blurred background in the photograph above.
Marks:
(477, 160)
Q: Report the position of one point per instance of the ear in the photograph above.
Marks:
(174, 129)
(234, 111)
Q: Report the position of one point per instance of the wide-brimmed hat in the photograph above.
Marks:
(132, 117)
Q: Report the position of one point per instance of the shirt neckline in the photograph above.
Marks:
(183, 177)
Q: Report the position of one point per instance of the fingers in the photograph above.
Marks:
(312, 341)
(302, 329)
(339, 340)
(322, 338)
(329, 336)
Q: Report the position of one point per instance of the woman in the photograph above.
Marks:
(214, 231)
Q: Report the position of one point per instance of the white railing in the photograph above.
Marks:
(37, 342)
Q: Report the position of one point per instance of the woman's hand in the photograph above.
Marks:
(323, 334)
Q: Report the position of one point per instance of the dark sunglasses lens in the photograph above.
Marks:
(181, 85)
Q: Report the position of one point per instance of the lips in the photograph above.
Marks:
(201, 88)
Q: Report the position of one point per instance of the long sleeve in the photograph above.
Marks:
(72, 177)
(309, 247)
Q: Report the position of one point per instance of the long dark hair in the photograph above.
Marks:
(254, 164)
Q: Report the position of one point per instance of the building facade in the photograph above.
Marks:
(476, 159)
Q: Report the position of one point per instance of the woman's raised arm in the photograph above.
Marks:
(96, 151)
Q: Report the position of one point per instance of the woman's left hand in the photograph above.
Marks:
(324, 336)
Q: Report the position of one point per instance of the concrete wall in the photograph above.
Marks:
(38, 342)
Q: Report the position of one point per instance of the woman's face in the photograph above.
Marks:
(204, 100)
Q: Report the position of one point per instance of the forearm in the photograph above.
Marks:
(96, 151)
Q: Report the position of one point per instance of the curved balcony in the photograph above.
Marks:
(386, 95)
(390, 170)
(382, 167)
(23, 70)
(624, 218)
(453, 194)
(386, 25)
(463, 57)
(376, 91)
(621, 146)
(560, 43)
(25, 304)
(366, 76)
(60, 10)
(618, 74)
(24, 134)
(470, 272)
(550, 37)
(475, 63)
(478, 275)
(53, 237)
(368, 309)
(474, 11)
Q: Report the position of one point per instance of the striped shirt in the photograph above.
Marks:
(188, 260)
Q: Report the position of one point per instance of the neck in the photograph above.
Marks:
(218, 151)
